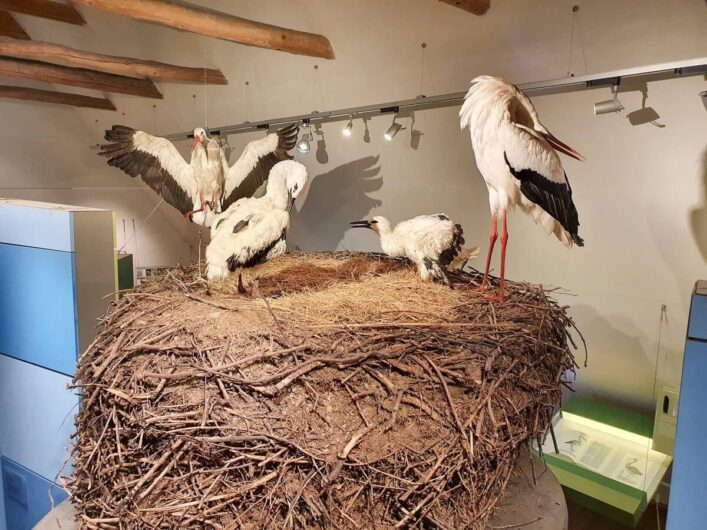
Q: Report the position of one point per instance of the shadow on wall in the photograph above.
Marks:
(619, 369)
(698, 215)
(333, 199)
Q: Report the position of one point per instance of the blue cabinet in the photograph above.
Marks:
(687, 508)
(56, 267)
(28, 496)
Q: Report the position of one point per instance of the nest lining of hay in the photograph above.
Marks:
(345, 393)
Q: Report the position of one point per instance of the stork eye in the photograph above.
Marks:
(374, 222)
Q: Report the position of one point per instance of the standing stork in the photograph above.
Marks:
(206, 185)
(517, 158)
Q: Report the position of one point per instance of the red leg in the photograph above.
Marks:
(504, 243)
(492, 241)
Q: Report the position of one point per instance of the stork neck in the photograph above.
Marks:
(276, 192)
(391, 243)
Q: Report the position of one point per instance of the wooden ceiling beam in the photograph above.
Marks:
(45, 9)
(478, 7)
(63, 75)
(62, 98)
(54, 53)
(200, 20)
(9, 27)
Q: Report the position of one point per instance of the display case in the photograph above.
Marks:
(605, 458)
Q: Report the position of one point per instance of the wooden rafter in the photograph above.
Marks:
(45, 9)
(57, 54)
(63, 75)
(62, 98)
(219, 25)
(10, 27)
(478, 7)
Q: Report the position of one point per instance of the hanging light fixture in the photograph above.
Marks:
(346, 131)
(393, 129)
(303, 145)
(610, 105)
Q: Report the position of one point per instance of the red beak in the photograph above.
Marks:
(195, 142)
(563, 147)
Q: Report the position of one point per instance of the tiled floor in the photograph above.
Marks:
(582, 519)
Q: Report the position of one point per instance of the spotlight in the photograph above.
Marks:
(610, 105)
(346, 131)
(303, 144)
(393, 129)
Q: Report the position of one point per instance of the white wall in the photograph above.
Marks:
(641, 193)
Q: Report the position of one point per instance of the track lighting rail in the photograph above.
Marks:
(655, 72)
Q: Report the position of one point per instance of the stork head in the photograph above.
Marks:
(292, 175)
(376, 223)
(200, 137)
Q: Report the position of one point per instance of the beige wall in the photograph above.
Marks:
(641, 193)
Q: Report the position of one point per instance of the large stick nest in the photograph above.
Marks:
(344, 393)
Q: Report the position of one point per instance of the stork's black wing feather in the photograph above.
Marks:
(153, 159)
(255, 163)
(553, 197)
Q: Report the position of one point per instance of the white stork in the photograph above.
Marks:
(432, 242)
(517, 158)
(206, 185)
(252, 231)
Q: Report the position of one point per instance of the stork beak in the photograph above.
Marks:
(360, 224)
(195, 142)
(290, 201)
(563, 147)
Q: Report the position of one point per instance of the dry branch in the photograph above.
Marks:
(10, 27)
(128, 66)
(62, 12)
(64, 75)
(197, 19)
(61, 98)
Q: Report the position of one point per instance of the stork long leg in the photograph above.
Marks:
(504, 243)
(492, 241)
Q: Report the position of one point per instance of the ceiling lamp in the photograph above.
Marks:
(393, 129)
(610, 105)
(303, 145)
(346, 131)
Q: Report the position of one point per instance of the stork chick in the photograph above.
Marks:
(432, 242)
(253, 230)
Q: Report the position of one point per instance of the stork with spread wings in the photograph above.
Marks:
(206, 185)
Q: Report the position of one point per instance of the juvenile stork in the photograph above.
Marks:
(206, 185)
(517, 158)
(432, 242)
(252, 231)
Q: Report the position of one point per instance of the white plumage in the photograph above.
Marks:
(517, 158)
(252, 231)
(433, 242)
(206, 185)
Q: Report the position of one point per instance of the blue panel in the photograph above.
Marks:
(688, 488)
(36, 416)
(38, 225)
(37, 307)
(697, 328)
(26, 495)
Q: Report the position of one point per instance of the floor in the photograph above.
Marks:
(582, 519)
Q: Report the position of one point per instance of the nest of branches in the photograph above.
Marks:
(341, 393)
